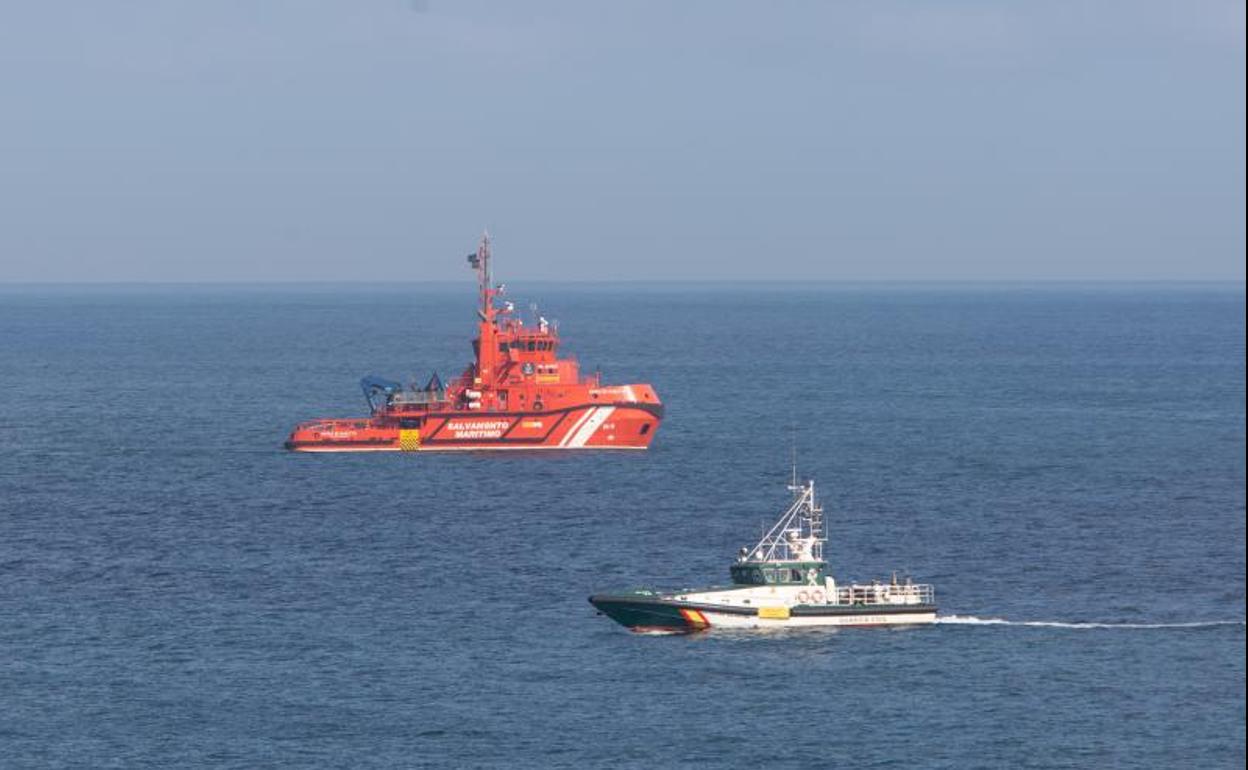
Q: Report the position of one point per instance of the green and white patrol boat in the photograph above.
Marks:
(782, 582)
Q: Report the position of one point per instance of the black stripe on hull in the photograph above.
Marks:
(656, 410)
(516, 419)
(645, 612)
(362, 443)
(433, 439)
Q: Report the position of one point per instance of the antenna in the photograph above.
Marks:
(484, 253)
(480, 262)
(793, 453)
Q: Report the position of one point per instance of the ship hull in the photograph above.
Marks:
(588, 426)
(674, 616)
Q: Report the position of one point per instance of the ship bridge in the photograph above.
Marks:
(792, 550)
(528, 355)
(520, 344)
(779, 573)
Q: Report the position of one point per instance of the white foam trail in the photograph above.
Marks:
(971, 620)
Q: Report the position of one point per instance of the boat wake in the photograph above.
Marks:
(971, 620)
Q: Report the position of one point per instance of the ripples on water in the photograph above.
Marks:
(1065, 464)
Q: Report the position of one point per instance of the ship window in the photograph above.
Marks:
(756, 575)
(502, 347)
(532, 345)
(409, 423)
(770, 575)
(645, 429)
(795, 575)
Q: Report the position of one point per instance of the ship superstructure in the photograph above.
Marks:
(783, 581)
(517, 393)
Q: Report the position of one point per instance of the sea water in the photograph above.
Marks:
(1064, 463)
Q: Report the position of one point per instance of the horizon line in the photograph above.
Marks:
(632, 282)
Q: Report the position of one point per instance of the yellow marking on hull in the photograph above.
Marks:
(773, 613)
(409, 440)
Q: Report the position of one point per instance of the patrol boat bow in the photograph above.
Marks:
(782, 582)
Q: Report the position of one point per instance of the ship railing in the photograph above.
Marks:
(886, 593)
(419, 397)
(458, 384)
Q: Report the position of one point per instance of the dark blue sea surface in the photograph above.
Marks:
(177, 590)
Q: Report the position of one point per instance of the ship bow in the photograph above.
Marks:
(649, 615)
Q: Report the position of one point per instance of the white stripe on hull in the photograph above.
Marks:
(346, 449)
(476, 448)
(598, 415)
(576, 426)
(725, 620)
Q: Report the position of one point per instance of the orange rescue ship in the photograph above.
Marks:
(517, 394)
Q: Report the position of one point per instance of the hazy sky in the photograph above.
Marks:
(242, 140)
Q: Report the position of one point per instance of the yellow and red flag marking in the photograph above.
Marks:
(695, 618)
